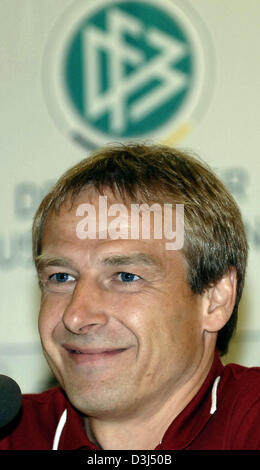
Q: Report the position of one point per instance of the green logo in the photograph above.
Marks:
(127, 69)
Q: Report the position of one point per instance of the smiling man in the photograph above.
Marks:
(134, 331)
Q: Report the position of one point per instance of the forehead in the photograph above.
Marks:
(89, 204)
(109, 224)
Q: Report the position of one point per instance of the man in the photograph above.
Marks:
(132, 324)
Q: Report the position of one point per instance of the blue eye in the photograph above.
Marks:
(62, 277)
(128, 277)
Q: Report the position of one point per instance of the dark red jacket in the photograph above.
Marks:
(224, 414)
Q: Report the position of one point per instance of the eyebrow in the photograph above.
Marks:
(136, 258)
(43, 261)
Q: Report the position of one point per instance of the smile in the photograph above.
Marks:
(92, 355)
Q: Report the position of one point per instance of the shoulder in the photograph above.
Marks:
(50, 397)
(45, 406)
(240, 398)
(240, 386)
(35, 426)
(240, 379)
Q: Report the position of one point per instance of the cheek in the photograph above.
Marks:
(50, 315)
(174, 325)
(148, 319)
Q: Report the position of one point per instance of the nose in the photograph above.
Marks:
(86, 308)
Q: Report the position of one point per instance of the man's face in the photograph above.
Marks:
(120, 327)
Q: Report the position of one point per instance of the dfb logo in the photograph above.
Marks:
(120, 70)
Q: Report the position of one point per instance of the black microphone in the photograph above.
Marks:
(10, 400)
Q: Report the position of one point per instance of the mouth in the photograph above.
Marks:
(91, 355)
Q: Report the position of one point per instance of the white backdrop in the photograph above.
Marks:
(36, 147)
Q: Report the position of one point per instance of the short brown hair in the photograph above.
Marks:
(215, 236)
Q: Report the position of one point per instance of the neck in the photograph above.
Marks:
(145, 430)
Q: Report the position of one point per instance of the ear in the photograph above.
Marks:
(220, 302)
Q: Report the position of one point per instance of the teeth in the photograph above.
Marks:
(74, 351)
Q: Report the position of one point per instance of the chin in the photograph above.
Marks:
(99, 401)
